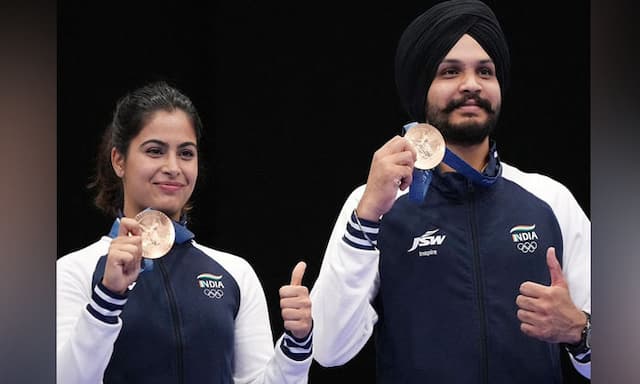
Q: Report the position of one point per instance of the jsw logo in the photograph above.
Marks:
(428, 238)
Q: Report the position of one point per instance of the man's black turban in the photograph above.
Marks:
(429, 38)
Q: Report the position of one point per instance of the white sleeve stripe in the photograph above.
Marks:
(108, 298)
(301, 342)
(298, 350)
(359, 241)
(102, 311)
(581, 357)
(372, 230)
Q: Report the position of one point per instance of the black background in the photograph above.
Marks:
(289, 86)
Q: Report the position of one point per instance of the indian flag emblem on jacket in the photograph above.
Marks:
(524, 237)
(208, 280)
(523, 233)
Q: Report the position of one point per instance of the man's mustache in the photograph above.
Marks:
(480, 102)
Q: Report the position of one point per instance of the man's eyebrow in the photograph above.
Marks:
(460, 62)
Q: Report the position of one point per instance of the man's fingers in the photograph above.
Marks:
(555, 270)
(298, 273)
(525, 302)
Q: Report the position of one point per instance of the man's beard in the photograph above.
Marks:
(467, 133)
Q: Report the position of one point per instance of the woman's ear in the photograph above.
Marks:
(117, 162)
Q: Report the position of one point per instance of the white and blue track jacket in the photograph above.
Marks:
(438, 290)
(196, 315)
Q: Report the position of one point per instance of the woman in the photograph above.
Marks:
(193, 315)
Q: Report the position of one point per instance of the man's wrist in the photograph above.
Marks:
(365, 211)
(361, 233)
(584, 344)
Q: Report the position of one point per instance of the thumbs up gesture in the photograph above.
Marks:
(547, 312)
(295, 304)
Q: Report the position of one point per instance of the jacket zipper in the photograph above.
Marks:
(176, 321)
(484, 364)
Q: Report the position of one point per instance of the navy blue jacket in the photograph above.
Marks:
(450, 271)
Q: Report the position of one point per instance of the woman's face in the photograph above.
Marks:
(161, 166)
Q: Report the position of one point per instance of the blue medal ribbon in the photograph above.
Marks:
(421, 178)
(461, 166)
(420, 182)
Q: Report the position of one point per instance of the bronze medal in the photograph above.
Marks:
(429, 145)
(158, 233)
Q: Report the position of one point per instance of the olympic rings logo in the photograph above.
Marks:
(527, 246)
(213, 293)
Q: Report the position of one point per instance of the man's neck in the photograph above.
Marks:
(474, 155)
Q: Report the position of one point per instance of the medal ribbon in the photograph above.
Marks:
(461, 166)
(421, 178)
(420, 182)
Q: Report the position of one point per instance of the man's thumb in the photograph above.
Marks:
(298, 273)
(557, 278)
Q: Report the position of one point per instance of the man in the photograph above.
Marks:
(486, 277)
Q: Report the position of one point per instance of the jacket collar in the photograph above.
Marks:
(489, 174)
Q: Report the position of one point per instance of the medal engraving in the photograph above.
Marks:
(158, 233)
(429, 145)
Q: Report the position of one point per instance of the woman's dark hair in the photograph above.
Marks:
(132, 112)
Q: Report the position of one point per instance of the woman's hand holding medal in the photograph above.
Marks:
(150, 235)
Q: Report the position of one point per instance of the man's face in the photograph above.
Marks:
(463, 101)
